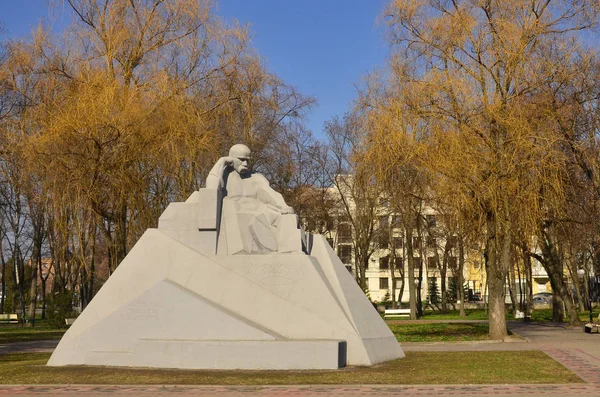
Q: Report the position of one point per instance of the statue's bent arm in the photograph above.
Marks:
(214, 180)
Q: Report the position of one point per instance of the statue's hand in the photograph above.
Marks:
(228, 160)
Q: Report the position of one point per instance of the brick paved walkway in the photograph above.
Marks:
(573, 348)
(313, 390)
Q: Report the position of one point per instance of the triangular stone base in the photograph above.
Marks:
(168, 305)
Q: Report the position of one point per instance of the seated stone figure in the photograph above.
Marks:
(254, 218)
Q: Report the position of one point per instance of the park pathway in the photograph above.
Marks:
(576, 350)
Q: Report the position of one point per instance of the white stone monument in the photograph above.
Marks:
(229, 281)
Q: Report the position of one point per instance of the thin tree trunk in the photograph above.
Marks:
(443, 272)
(528, 280)
(3, 286)
(460, 277)
(420, 289)
(520, 290)
(19, 280)
(36, 260)
(33, 291)
(402, 279)
(512, 289)
(392, 266)
(412, 288)
(43, 293)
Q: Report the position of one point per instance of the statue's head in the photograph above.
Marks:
(241, 158)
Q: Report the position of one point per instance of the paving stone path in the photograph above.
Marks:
(576, 350)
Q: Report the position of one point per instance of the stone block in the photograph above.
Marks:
(209, 210)
(200, 354)
(179, 217)
(289, 235)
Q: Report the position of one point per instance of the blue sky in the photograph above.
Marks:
(321, 47)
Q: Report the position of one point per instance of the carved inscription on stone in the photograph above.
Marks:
(275, 274)
(141, 310)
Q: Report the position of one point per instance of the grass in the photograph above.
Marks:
(439, 332)
(472, 314)
(540, 315)
(415, 368)
(17, 333)
(404, 333)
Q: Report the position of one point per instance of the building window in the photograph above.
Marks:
(397, 242)
(451, 242)
(384, 283)
(384, 222)
(384, 262)
(416, 242)
(452, 262)
(384, 240)
(344, 233)
(399, 262)
(329, 223)
(432, 262)
(431, 221)
(417, 262)
(345, 253)
(384, 202)
(396, 221)
(431, 243)
(343, 219)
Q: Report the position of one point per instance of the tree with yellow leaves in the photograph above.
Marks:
(461, 76)
(126, 112)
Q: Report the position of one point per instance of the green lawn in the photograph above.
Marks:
(541, 315)
(17, 333)
(472, 314)
(415, 368)
(404, 331)
(439, 332)
(425, 332)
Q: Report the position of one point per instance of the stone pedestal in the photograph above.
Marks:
(174, 303)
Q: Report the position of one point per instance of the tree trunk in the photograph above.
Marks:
(581, 298)
(412, 288)
(520, 289)
(402, 280)
(3, 274)
(553, 264)
(33, 291)
(496, 277)
(421, 265)
(43, 293)
(36, 260)
(558, 309)
(528, 280)
(460, 276)
(512, 289)
(392, 266)
(362, 264)
(19, 280)
(420, 289)
(443, 272)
